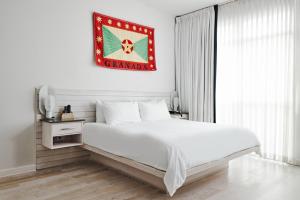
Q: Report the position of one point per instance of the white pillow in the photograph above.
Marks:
(99, 112)
(118, 112)
(154, 110)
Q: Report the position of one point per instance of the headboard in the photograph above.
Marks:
(83, 106)
(83, 101)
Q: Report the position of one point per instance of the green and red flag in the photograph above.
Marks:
(124, 45)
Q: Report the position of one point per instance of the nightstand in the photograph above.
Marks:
(60, 134)
(178, 115)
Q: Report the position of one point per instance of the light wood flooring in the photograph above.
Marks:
(247, 178)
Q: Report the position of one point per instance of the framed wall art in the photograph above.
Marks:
(120, 44)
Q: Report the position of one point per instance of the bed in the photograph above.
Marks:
(167, 153)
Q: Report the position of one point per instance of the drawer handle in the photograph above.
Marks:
(67, 129)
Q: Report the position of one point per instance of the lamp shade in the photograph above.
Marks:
(175, 103)
(50, 106)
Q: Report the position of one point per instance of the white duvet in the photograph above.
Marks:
(171, 145)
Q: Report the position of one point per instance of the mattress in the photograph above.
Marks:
(171, 145)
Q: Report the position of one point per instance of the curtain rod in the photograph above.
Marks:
(220, 4)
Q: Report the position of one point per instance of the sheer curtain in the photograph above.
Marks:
(195, 70)
(255, 83)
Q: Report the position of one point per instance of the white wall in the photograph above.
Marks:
(50, 42)
(297, 79)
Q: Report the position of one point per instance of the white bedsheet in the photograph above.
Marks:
(171, 145)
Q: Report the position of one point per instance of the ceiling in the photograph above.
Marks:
(179, 7)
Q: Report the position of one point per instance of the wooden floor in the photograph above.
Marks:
(248, 178)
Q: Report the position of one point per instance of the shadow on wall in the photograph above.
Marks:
(24, 143)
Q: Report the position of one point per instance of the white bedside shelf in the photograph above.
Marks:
(61, 134)
(180, 115)
(64, 145)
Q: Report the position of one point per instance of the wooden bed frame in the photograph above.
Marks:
(155, 176)
(83, 106)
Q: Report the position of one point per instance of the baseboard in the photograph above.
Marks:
(17, 171)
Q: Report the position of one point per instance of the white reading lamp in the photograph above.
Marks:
(175, 104)
(49, 106)
(47, 101)
(175, 101)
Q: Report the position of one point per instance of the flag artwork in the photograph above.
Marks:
(123, 45)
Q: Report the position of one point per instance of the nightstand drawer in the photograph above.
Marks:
(65, 128)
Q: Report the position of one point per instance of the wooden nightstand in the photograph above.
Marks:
(60, 134)
(179, 115)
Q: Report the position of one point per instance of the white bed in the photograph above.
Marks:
(172, 146)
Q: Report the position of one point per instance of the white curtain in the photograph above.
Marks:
(255, 82)
(194, 53)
